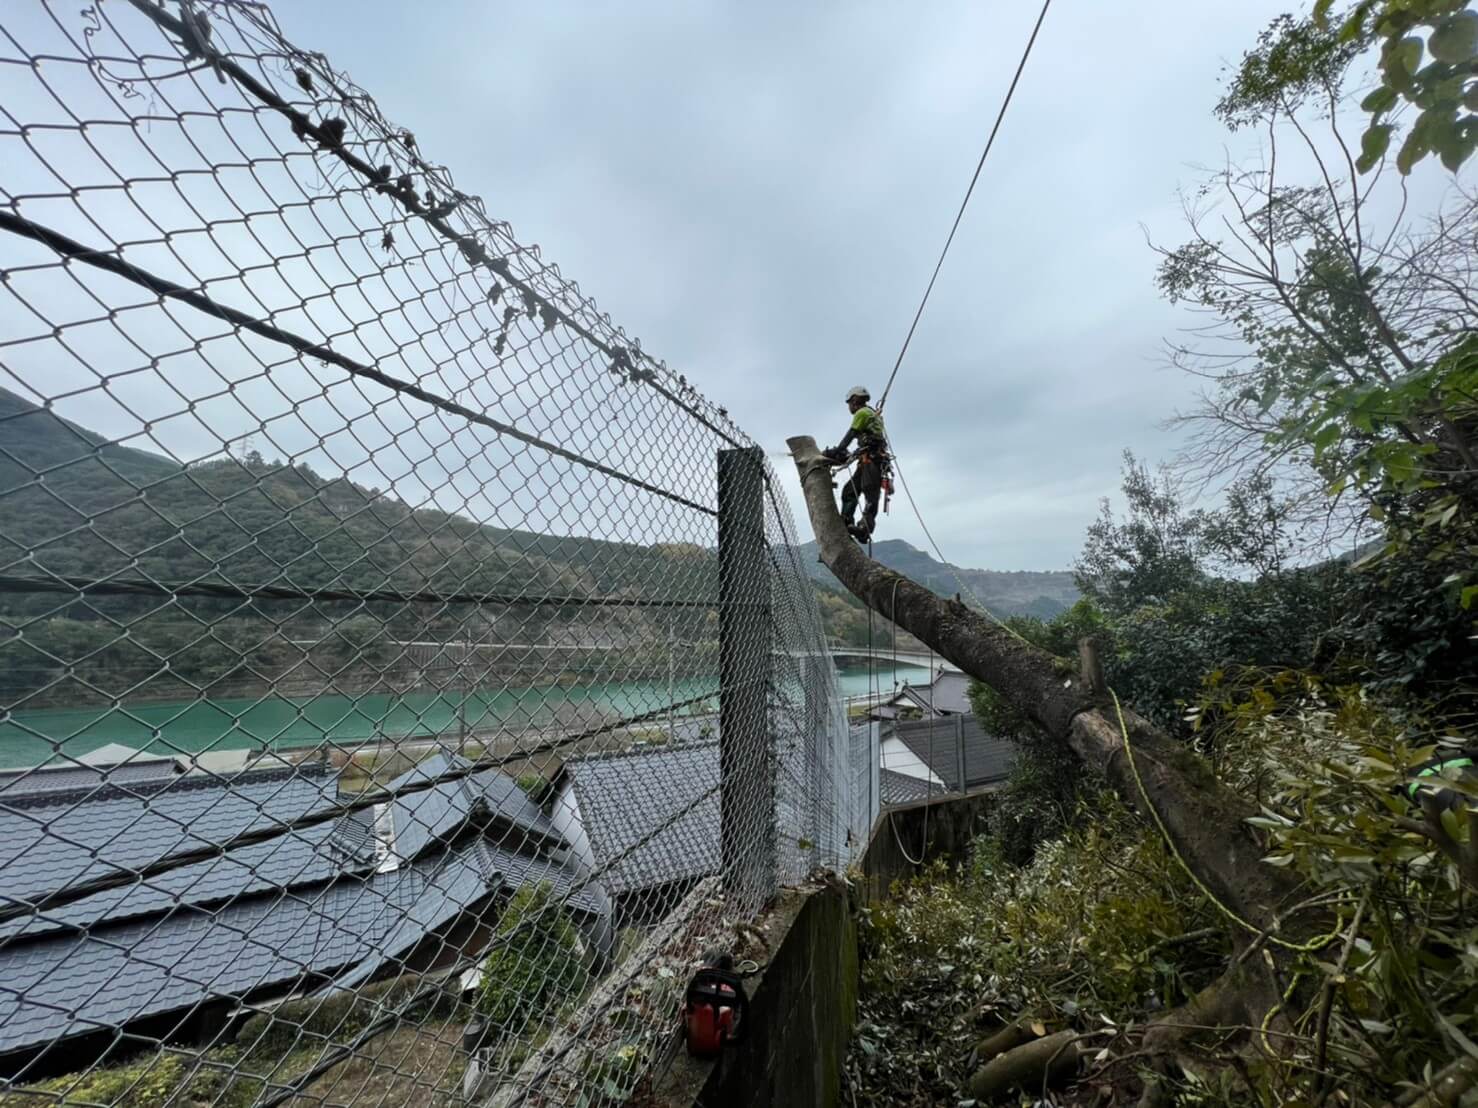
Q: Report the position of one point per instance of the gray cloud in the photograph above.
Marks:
(759, 193)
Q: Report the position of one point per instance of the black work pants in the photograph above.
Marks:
(867, 482)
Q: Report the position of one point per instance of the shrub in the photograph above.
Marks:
(142, 1084)
(538, 963)
(536, 786)
(1327, 765)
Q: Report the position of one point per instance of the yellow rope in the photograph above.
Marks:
(1272, 1013)
(1303, 948)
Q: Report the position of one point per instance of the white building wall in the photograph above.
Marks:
(567, 820)
(900, 759)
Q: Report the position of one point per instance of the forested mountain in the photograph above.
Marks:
(75, 505)
(1043, 594)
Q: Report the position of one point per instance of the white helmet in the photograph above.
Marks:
(858, 392)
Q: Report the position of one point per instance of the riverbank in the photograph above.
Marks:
(248, 724)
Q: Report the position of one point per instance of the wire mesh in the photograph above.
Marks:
(381, 719)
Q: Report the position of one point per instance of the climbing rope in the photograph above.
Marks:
(1230, 913)
(929, 766)
(989, 142)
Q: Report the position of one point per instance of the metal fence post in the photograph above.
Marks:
(746, 760)
(818, 755)
(960, 751)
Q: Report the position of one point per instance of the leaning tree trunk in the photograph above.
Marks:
(1205, 821)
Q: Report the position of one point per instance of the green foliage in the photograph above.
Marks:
(142, 1084)
(1165, 618)
(1078, 935)
(538, 964)
(1327, 765)
(536, 786)
(1355, 370)
(845, 621)
(1425, 52)
(1147, 558)
(1037, 802)
(106, 510)
(1295, 61)
(1427, 55)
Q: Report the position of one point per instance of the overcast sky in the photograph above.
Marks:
(759, 192)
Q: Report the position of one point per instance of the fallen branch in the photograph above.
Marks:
(1180, 940)
(1447, 1085)
(1042, 1062)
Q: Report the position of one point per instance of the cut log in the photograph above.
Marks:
(1010, 1037)
(1043, 1063)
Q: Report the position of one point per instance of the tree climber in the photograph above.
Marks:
(873, 463)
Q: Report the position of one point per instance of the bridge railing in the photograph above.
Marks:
(317, 490)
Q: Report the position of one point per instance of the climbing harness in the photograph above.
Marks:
(1433, 768)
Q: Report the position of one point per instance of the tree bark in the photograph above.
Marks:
(1204, 820)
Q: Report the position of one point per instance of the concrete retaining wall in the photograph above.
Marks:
(801, 1011)
(803, 1006)
(926, 831)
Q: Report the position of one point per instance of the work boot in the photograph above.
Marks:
(859, 531)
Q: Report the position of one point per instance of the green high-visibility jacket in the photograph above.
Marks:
(867, 429)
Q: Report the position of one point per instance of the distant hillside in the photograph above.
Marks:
(1042, 593)
(74, 504)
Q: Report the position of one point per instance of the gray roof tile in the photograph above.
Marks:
(987, 759)
(946, 694)
(900, 788)
(310, 856)
(68, 778)
(315, 900)
(422, 818)
(45, 847)
(115, 974)
(624, 798)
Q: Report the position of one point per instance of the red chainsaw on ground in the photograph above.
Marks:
(715, 1009)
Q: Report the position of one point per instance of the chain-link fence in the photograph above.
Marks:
(404, 677)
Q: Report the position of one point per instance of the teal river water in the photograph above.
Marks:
(30, 737)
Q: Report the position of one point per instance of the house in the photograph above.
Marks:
(945, 695)
(317, 898)
(945, 754)
(113, 764)
(900, 788)
(647, 821)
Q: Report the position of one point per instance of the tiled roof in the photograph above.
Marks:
(900, 788)
(947, 694)
(316, 901)
(313, 855)
(987, 758)
(422, 818)
(108, 977)
(48, 844)
(85, 774)
(628, 798)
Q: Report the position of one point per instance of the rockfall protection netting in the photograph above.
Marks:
(404, 677)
